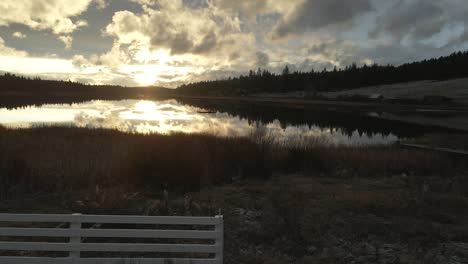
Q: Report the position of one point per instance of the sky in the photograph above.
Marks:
(172, 42)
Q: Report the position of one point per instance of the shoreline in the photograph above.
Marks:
(391, 111)
(384, 110)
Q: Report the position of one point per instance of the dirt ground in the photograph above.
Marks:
(308, 219)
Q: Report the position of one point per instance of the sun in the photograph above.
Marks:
(146, 78)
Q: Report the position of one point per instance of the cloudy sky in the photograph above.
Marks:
(170, 42)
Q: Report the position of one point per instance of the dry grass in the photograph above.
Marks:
(328, 220)
(455, 89)
(287, 219)
(60, 160)
(451, 141)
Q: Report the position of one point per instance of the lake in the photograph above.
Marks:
(172, 116)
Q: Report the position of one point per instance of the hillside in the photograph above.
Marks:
(456, 89)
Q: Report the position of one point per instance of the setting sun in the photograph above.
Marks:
(146, 78)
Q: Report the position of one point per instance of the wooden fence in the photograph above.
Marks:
(85, 235)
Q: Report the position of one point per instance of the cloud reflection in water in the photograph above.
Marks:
(170, 116)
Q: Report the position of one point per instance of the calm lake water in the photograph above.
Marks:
(169, 116)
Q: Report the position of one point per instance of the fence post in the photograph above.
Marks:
(76, 225)
(219, 228)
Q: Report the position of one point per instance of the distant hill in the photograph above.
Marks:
(12, 82)
(18, 90)
(455, 89)
(351, 77)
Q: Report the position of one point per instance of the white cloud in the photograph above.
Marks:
(67, 40)
(171, 42)
(101, 4)
(180, 29)
(79, 61)
(31, 65)
(19, 35)
(54, 15)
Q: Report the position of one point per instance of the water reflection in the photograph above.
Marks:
(171, 116)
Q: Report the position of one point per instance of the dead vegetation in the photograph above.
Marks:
(302, 219)
(60, 160)
(320, 204)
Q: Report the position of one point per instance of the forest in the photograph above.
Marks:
(262, 80)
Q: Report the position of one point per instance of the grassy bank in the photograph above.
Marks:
(296, 203)
(456, 142)
(54, 159)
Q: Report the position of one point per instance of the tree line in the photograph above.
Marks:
(19, 90)
(350, 77)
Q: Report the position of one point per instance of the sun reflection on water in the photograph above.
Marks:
(141, 116)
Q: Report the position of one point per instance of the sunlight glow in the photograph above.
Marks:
(145, 106)
(169, 116)
(146, 78)
(32, 65)
(159, 67)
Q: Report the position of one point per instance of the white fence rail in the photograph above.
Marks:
(207, 232)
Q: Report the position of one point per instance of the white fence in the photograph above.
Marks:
(16, 228)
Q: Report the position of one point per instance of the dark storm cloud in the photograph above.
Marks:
(325, 49)
(234, 56)
(312, 15)
(195, 3)
(420, 19)
(179, 43)
(207, 44)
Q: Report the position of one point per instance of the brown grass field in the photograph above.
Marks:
(282, 204)
(55, 159)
